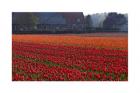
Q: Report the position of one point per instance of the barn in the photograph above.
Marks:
(48, 22)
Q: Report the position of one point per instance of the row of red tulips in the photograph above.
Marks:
(28, 70)
(97, 64)
(45, 48)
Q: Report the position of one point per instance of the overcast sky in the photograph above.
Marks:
(85, 6)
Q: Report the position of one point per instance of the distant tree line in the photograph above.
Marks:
(113, 22)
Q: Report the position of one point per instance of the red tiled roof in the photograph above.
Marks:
(71, 17)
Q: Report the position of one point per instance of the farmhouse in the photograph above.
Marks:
(48, 22)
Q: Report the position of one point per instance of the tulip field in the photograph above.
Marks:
(69, 58)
